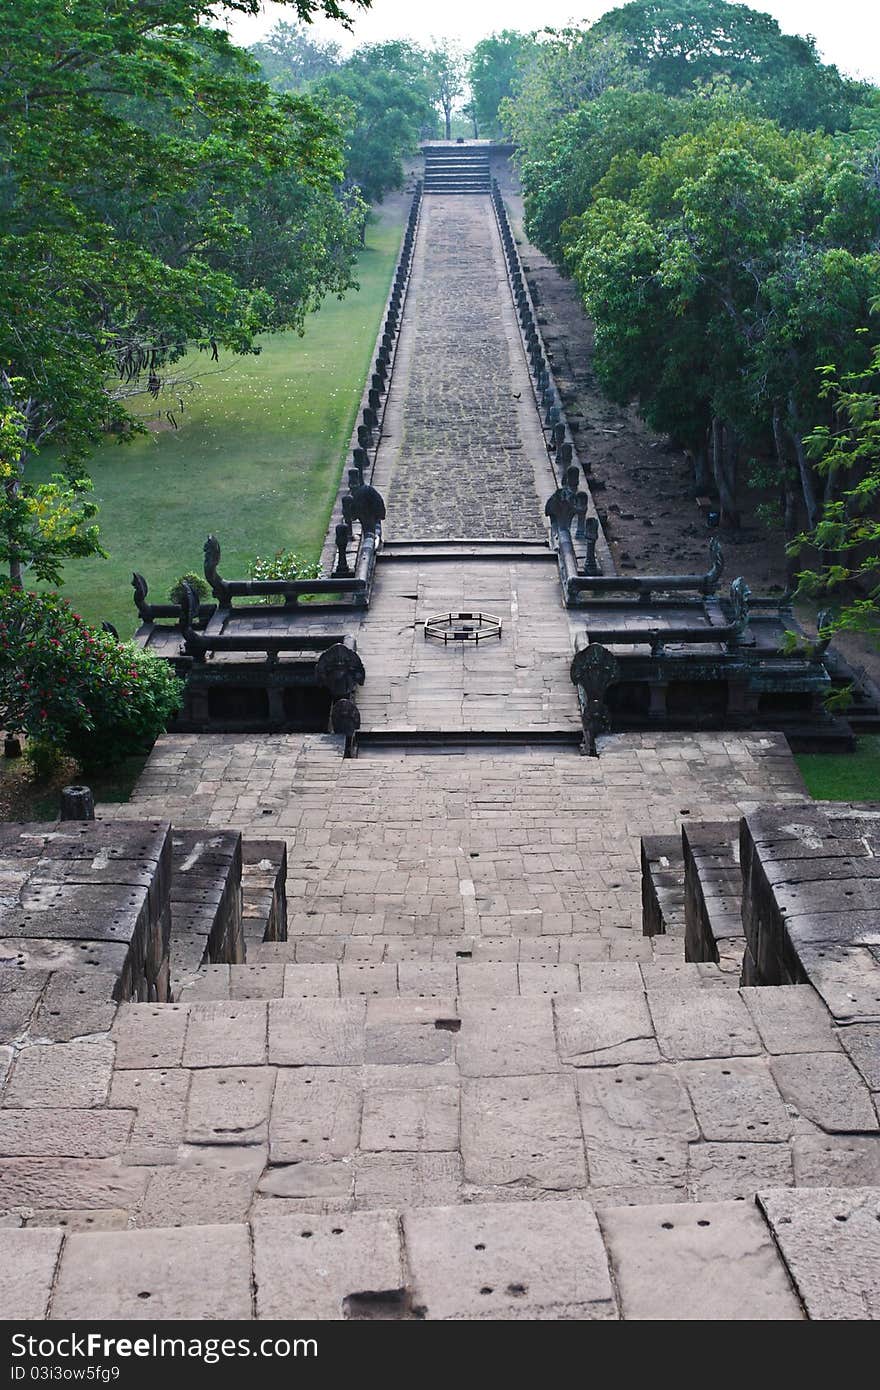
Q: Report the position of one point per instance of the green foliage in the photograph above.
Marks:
(195, 582)
(495, 66)
(75, 690)
(153, 195)
(284, 564)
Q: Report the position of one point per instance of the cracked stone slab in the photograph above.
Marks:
(791, 1018)
(506, 1261)
(861, 1042)
(314, 1266)
(707, 1261)
(28, 1259)
(522, 1131)
(636, 1122)
(720, 1170)
(230, 1105)
(702, 1023)
(159, 1099)
(202, 1274)
(736, 1098)
(61, 1076)
(830, 1241)
(826, 1089)
(605, 1029)
(316, 1114)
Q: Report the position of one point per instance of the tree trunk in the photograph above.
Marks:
(787, 493)
(725, 450)
(808, 481)
(699, 458)
(447, 115)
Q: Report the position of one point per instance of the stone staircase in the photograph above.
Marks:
(456, 169)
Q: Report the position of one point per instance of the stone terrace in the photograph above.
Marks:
(466, 1086)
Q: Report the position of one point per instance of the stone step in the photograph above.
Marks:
(713, 894)
(264, 889)
(782, 1256)
(662, 858)
(206, 909)
(424, 979)
(309, 949)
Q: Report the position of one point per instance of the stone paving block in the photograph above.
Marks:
(28, 1260)
(605, 1028)
(522, 1132)
(307, 1187)
(791, 1018)
(836, 1160)
(488, 980)
(197, 1196)
(707, 1262)
(203, 1273)
(211, 982)
(692, 1024)
(366, 979)
(317, 1032)
(149, 1035)
(508, 1261)
(226, 1034)
(60, 1075)
(424, 978)
(636, 1122)
(602, 975)
(20, 993)
(62, 1133)
(159, 1099)
(408, 1031)
(230, 1105)
(412, 1120)
(74, 1007)
(328, 1267)
(720, 1170)
(69, 1219)
(826, 1089)
(318, 981)
(407, 1180)
(316, 1114)
(736, 1099)
(42, 1183)
(861, 1042)
(537, 979)
(830, 1241)
(511, 1037)
(265, 981)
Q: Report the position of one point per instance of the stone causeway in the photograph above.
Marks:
(474, 1024)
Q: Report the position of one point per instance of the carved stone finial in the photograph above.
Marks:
(593, 670)
(141, 589)
(212, 559)
(342, 569)
(716, 569)
(345, 717)
(591, 536)
(560, 508)
(340, 670)
(367, 506)
(740, 593)
(581, 506)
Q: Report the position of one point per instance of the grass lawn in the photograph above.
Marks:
(256, 459)
(844, 776)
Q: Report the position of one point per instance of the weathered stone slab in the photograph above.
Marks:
(736, 1099)
(70, 1219)
(830, 1241)
(319, 981)
(149, 1035)
(70, 1182)
(311, 1186)
(27, 1269)
(72, 1008)
(791, 1018)
(64, 1133)
(159, 1098)
(60, 1075)
(410, 1120)
(836, 1160)
(201, 1274)
(605, 1029)
(825, 1088)
(488, 980)
(709, 1262)
(423, 978)
(861, 1042)
(256, 981)
(510, 1037)
(522, 1132)
(407, 1180)
(226, 1034)
(402, 1032)
(230, 1105)
(317, 1266)
(20, 992)
(603, 975)
(636, 1122)
(508, 1261)
(197, 1196)
(316, 1114)
(367, 980)
(317, 1032)
(537, 979)
(847, 978)
(701, 1023)
(736, 1170)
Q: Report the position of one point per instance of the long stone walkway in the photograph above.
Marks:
(467, 1085)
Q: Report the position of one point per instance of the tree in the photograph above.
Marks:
(494, 68)
(142, 163)
(446, 71)
(291, 59)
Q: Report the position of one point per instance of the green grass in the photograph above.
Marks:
(844, 776)
(256, 460)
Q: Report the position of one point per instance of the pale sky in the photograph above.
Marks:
(847, 31)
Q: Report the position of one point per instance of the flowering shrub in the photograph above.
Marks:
(76, 690)
(284, 564)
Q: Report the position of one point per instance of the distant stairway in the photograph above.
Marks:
(456, 169)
